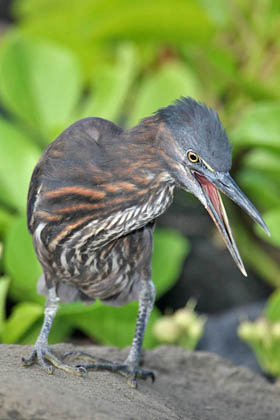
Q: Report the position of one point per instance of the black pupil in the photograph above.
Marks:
(193, 157)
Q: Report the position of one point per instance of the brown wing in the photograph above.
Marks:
(69, 172)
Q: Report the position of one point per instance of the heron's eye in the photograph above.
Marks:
(193, 157)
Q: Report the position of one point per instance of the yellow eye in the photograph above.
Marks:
(193, 158)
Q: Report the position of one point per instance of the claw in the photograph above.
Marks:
(145, 374)
(49, 370)
(29, 361)
(132, 382)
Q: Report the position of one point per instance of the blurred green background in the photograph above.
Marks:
(61, 60)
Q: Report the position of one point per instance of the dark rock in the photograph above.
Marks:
(189, 386)
(220, 335)
(5, 10)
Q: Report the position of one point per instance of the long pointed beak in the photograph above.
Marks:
(215, 208)
(228, 186)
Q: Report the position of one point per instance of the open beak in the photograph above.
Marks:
(215, 207)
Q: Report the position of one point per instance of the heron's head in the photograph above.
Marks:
(200, 162)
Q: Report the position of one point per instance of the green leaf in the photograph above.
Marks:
(22, 318)
(39, 82)
(254, 255)
(259, 126)
(4, 284)
(272, 219)
(170, 251)
(112, 325)
(86, 25)
(222, 66)
(266, 161)
(171, 82)
(91, 31)
(21, 263)
(262, 188)
(272, 310)
(6, 220)
(111, 85)
(18, 158)
(61, 330)
(218, 10)
(77, 308)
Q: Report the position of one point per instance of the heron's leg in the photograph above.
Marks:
(130, 368)
(41, 352)
(146, 303)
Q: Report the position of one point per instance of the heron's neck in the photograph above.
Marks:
(121, 222)
(148, 204)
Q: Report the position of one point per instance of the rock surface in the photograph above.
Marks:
(189, 386)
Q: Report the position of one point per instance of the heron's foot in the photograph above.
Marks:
(48, 361)
(132, 373)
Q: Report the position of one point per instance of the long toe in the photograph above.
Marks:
(81, 355)
(48, 361)
(126, 370)
(59, 364)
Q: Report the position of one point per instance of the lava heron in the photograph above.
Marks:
(92, 203)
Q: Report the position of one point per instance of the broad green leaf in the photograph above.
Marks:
(256, 257)
(88, 29)
(22, 318)
(171, 82)
(111, 85)
(106, 324)
(263, 160)
(222, 66)
(61, 330)
(39, 82)
(85, 25)
(272, 219)
(259, 126)
(113, 325)
(18, 159)
(272, 310)
(170, 251)
(218, 10)
(4, 284)
(260, 187)
(6, 220)
(21, 263)
(77, 308)
(256, 89)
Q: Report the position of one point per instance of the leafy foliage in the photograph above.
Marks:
(34, 79)
(4, 284)
(18, 157)
(259, 126)
(162, 88)
(122, 60)
(263, 336)
(91, 28)
(183, 328)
